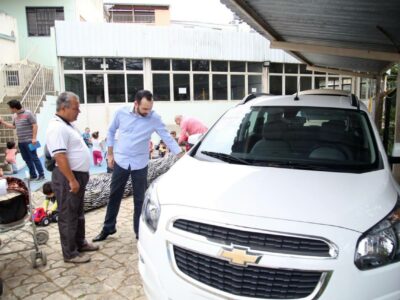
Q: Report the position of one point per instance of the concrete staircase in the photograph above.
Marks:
(40, 85)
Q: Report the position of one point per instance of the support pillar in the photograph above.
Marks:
(396, 167)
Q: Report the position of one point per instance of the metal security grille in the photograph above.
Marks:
(255, 240)
(251, 281)
(40, 19)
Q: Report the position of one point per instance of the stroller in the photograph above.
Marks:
(16, 215)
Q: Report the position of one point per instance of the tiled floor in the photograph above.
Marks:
(111, 274)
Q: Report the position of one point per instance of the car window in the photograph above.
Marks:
(294, 137)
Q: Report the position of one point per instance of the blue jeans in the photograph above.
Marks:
(31, 159)
(118, 182)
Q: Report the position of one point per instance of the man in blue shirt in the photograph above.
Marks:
(129, 156)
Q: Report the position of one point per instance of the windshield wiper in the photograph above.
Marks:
(291, 165)
(226, 157)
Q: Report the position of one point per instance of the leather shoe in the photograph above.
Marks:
(80, 259)
(88, 247)
(103, 235)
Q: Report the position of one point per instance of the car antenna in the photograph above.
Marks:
(296, 98)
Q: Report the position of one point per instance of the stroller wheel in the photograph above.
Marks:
(33, 259)
(38, 255)
(42, 236)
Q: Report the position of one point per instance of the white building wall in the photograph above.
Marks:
(8, 39)
(127, 40)
(89, 10)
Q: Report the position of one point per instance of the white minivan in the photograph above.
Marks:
(287, 197)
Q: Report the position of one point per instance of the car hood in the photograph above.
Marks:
(352, 201)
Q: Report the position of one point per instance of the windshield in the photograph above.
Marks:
(316, 138)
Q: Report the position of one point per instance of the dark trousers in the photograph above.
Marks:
(31, 159)
(71, 218)
(118, 182)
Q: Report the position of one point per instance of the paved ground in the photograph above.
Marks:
(111, 274)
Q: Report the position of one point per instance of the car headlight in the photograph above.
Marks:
(151, 208)
(380, 245)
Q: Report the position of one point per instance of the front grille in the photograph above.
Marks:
(250, 281)
(255, 240)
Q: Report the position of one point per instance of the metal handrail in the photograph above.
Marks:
(41, 84)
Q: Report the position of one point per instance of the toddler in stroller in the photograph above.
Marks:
(15, 209)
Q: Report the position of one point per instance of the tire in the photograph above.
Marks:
(42, 236)
(42, 255)
(45, 222)
(33, 259)
(1, 287)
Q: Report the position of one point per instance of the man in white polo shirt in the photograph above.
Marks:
(69, 178)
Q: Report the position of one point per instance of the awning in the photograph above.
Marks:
(342, 35)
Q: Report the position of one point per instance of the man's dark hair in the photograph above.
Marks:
(47, 188)
(10, 145)
(143, 94)
(14, 104)
(95, 134)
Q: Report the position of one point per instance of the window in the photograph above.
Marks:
(291, 68)
(74, 83)
(201, 86)
(303, 69)
(254, 67)
(181, 87)
(363, 88)
(40, 19)
(275, 85)
(290, 85)
(255, 84)
(237, 87)
(116, 88)
(346, 84)
(161, 87)
(135, 84)
(333, 83)
(144, 16)
(93, 63)
(181, 65)
(219, 66)
(305, 83)
(220, 87)
(73, 63)
(160, 64)
(95, 88)
(238, 66)
(115, 63)
(275, 68)
(134, 64)
(121, 16)
(201, 65)
(319, 82)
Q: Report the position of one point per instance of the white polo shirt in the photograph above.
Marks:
(62, 137)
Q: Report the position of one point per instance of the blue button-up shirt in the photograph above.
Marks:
(131, 149)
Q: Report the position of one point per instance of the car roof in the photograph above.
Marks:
(313, 98)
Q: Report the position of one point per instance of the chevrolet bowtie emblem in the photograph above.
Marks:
(239, 256)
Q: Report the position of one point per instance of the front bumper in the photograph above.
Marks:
(163, 279)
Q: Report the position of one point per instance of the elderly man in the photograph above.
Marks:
(69, 178)
(189, 126)
(129, 156)
(25, 122)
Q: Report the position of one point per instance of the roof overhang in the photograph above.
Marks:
(360, 38)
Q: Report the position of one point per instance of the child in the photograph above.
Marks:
(162, 149)
(97, 149)
(86, 137)
(11, 152)
(50, 197)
